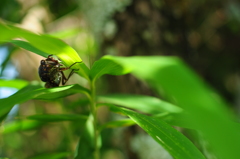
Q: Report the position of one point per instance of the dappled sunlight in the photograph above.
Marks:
(166, 72)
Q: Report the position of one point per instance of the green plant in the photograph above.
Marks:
(198, 107)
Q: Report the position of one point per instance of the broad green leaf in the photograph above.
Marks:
(105, 66)
(44, 43)
(57, 155)
(37, 92)
(16, 83)
(177, 119)
(117, 123)
(59, 92)
(6, 33)
(151, 105)
(58, 117)
(27, 46)
(9, 102)
(172, 79)
(173, 141)
(19, 126)
(146, 104)
(48, 44)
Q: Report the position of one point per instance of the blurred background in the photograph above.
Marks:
(205, 34)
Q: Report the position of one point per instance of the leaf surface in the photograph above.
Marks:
(16, 83)
(146, 104)
(37, 92)
(174, 81)
(173, 141)
(21, 125)
(43, 44)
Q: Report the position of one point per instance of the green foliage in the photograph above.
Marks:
(36, 92)
(174, 80)
(20, 126)
(142, 103)
(173, 141)
(188, 98)
(42, 44)
(27, 46)
(13, 83)
(117, 123)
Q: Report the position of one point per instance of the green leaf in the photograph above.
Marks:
(6, 33)
(146, 104)
(59, 92)
(16, 83)
(172, 79)
(37, 92)
(19, 126)
(105, 66)
(58, 117)
(173, 141)
(177, 119)
(158, 108)
(41, 43)
(117, 123)
(27, 46)
(18, 97)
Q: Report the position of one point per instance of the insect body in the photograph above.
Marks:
(51, 72)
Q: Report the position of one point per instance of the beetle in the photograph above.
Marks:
(51, 72)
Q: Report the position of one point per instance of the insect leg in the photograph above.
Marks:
(64, 79)
(74, 64)
(66, 68)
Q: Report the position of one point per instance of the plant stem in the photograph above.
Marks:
(94, 113)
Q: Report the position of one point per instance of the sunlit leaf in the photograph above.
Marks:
(43, 44)
(21, 125)
(27, 46)
(16, 83)
(37, 92)
(117, 123)
(172, 79)
(142, 103)
(59, 92)
(105, 66)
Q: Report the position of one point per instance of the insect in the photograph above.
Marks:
(51, 72)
